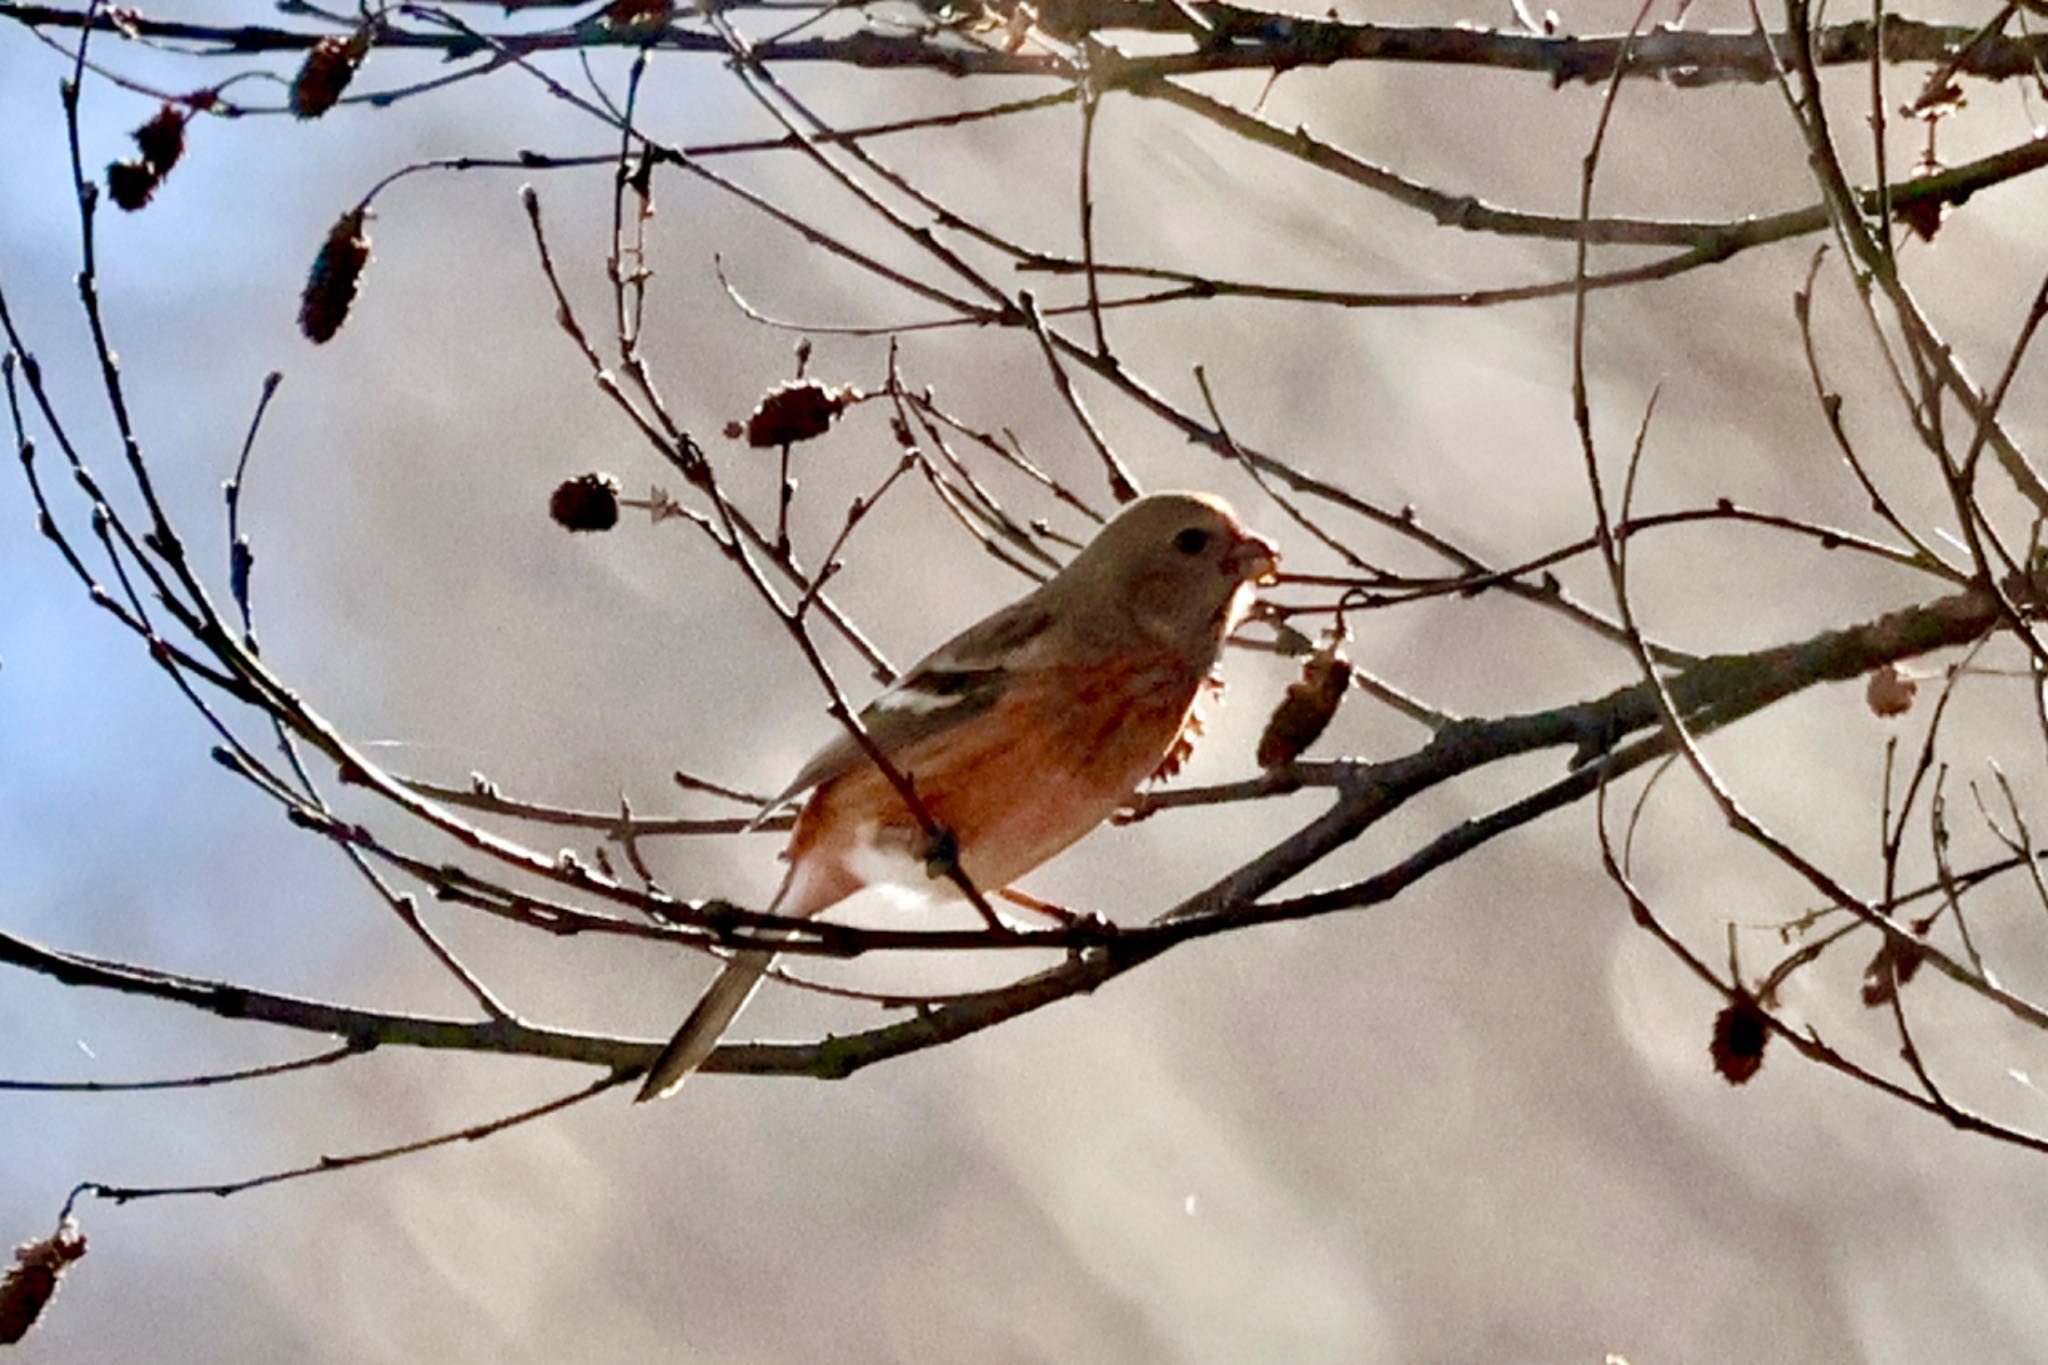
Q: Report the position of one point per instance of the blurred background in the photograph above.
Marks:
(1477, 1124)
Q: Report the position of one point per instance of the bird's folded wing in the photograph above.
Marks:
(956, 682)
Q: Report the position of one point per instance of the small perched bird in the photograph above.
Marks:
(1020, 734)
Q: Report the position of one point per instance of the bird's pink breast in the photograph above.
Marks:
(1056, 755)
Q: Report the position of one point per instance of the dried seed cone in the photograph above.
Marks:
(586, 503)
(1890, 691)
(649, 14)
(1739, 1037)
(326, 72)
(1306, 711)
(162, 141)
(27, 1288)
(1925, 216)
(131, 183)
(797, 411)
(1895, 963)
(336, 275)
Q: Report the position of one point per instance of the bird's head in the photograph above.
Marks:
(1179, 568)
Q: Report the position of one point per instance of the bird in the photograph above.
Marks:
(1019, 735)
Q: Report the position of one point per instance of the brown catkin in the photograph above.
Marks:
(336, 275)
(162, 142)
(326, 72)
(26, 1289)
(131, 183)
(797, 411)
(1307, 709)
(162, 139)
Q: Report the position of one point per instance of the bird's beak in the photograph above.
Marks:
(1252, 560)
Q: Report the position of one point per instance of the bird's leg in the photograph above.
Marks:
(942, 855)
(1088, 928)
(1059, 914)
(942, 864)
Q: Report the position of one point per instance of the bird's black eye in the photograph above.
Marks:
(1191, 541)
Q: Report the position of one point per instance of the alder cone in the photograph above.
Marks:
(1307, 709)
(589, 502)
(797, 411)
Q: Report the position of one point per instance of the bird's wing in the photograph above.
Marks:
(956, 682)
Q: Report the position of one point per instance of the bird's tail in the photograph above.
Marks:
(713, 1014)
(809, 886)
